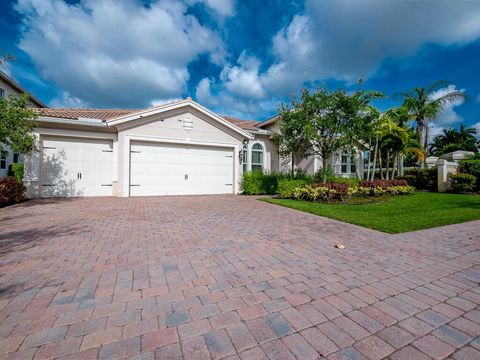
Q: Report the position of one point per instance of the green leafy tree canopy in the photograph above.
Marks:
(16, 124)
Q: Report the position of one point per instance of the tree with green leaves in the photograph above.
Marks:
(452, 139)
(17, 124)
(292, 139)
(330, 121)
(425, 104)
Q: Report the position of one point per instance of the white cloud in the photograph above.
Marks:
(221, 7)
(243, 79)
(214, 95)
(448, 116)
(108, 52)
(349, 39)
(65, 100)
(6, 67)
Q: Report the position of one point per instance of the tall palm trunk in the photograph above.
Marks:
(388, 165)
(395, 162)
(375, 158)
(369, 159)
(425, 145)
(380, 163)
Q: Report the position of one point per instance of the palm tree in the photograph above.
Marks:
(424, 106)
(387, 134)
(452, 139)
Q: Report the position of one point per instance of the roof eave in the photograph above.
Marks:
(18, 87)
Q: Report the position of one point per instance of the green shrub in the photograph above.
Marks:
(462, 183)
(422, 179)
(472, 167)
(11, 191)
(287, 186)
(335, 192)
(16, 170)
(259, 183)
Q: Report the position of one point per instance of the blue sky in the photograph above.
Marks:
(236, 57)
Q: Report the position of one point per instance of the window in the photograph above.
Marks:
(257, 157)
(352, 164)
(344, 163)
(16, 158)
(3, 160)
(245, 157)
(2, 93)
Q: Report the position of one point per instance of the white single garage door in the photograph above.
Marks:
(168, 169)
(77, 167)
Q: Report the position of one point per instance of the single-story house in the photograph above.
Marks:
(177, 148)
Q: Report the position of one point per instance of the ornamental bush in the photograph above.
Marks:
(11, 191)
(286, 187)
(17, 171)
(334, 192)
(383, 183)
(422, 179)
(472, 167)
(258, 183)
(462, 183)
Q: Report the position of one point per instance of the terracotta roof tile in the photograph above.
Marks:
(103, 114)
(242, 124)
(106, 114)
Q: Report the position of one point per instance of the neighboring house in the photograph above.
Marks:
(9, 86)
(178, 148)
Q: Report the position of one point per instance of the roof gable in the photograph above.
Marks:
(174, 106)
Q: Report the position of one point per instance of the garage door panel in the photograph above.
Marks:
(168, 169)
(77, 167)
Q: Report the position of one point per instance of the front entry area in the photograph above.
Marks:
(170, 169)
(76, 167)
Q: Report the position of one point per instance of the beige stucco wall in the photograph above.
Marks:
(9, 156)
(7, 88)
(270, 157)
(184, 126)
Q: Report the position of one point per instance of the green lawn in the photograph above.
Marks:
(398, 214)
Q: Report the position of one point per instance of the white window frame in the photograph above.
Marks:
(348, 163)
(345, 163)
(245, 154)
(3, 159)
(257, 165)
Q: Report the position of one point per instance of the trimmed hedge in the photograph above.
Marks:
(422, 179)
(471, 167)
(11, 191)
(463, 183)
(334, 192)
(383, 183)
(260, 183)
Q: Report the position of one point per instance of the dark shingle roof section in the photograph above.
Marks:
(102, 114)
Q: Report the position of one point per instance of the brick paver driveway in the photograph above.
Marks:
(224, 276)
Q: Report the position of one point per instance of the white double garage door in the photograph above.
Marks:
(84, 167)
